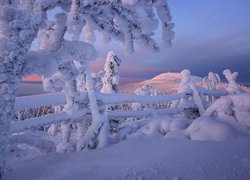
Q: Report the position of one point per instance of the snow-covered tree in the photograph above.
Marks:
(232, 88)
(110, 83)
(188, 86)
(111, 77)
(211, 81)
(22, 21)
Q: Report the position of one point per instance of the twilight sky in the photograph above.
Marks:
(211, 35)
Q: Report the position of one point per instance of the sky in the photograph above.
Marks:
(210, 35)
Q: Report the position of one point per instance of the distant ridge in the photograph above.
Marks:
(170, 76)
(165, 82)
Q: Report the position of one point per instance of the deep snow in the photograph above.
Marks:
(142, 158)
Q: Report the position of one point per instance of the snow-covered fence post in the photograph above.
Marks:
(97, 121)
(232, 88)
(142, 91)
(54, 127)
(185, 86)
(65, 79)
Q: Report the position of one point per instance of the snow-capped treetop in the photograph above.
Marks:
(185, 80)
(232, 85)
(211, 81)
(112, 63)
(111, 78)
(143, 91)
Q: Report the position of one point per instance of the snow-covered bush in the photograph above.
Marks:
(205, 128)
(187, 86)
(232, 109)
(232, 88)
(34, 112)
(170, 128)
(211, 81)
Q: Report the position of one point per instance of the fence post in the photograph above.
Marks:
(185, 86)
(97, 122)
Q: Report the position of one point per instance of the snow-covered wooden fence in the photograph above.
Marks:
(35, 101)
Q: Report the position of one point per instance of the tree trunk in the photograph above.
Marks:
(9, 79)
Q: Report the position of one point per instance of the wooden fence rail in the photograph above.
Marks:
(59, 98)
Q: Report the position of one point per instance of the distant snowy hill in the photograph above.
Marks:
(170, 77)
(166, 82)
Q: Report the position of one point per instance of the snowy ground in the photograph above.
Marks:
(143, 158)
(214, 146)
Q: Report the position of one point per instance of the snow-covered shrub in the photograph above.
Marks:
(35, 112)
(211, 81)
(170, 128)
(205, 128)
(187, 86)
(232, 88)
(232, 109)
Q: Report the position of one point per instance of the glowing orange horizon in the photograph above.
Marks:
(33, 77)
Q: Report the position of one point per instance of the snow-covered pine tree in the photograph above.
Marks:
(110, 82)
(127, 21)
(111, 77)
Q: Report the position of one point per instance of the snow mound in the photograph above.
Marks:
(233, 109)
(205, 128)
(201, 129)
(170, 128)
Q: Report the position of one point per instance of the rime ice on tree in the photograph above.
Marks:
(187, 86)
(110, 83)
(21, 22)
(211, 81)
(232, 85)
(111, 77)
